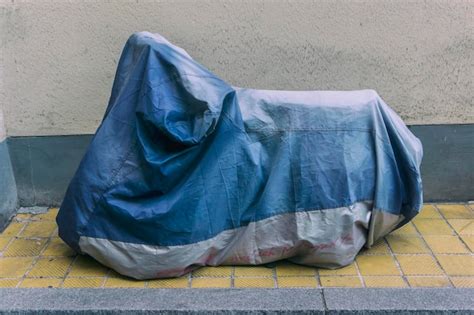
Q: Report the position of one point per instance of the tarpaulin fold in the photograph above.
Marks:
(186, 170)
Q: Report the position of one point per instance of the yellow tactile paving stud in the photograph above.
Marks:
(435, 250)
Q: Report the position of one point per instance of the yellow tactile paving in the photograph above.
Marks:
(211, 283)
(379, 248)
(407, 229)
(57, 247)
(433, 227)
(419, 265)
(24, 247)
(456, 211)
(38, 229)
(41, 283)
(123, 282)
(175, 283)
(50, 267)
(9, 283)
(457, 265)
(377, 265)
(435, 250)
(288, 269)
(13, 229)
(297, 282)
(254, 282)
(469, 241)
(13, 267)
(402, 244)
(463, 282)
(85, 266)
(446, 244)
(430, 282)
(83, 282)
(249, 271)
(350, 270)
(4, 242)
(429, 212)
(223, 271)
(462, 226)
(350, 282)
(385, 282)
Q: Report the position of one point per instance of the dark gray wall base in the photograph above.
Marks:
(8, 192)
(235, 301)
(43, 166)
(448, 161)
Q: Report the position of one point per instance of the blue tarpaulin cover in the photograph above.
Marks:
(186, 170)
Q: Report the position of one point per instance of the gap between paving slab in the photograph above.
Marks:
(235, 301)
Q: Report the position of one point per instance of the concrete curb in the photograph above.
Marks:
(236, 301)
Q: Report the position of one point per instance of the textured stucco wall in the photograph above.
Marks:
(60, 57)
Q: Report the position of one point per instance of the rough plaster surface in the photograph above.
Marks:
(60, 56)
